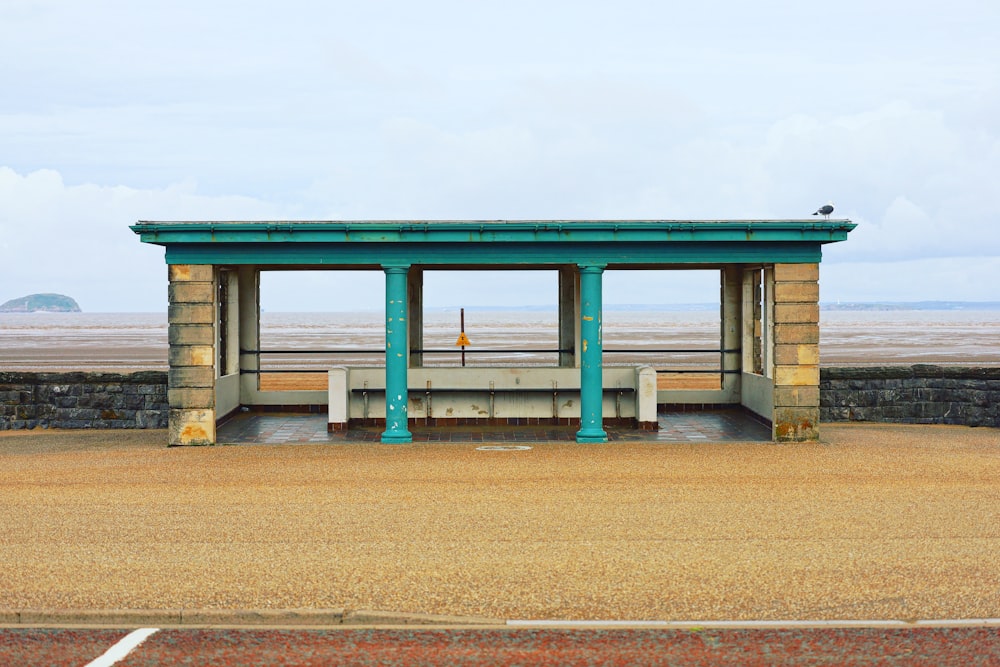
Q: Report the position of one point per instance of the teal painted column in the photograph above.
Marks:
(396, 339)
(591, 364)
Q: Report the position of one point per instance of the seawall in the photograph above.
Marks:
(83, 400)
(919, 394)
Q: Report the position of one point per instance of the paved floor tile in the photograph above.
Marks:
(728, 425)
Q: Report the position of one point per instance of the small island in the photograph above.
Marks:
(41, 303)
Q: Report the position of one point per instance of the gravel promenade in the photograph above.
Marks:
(874, 522)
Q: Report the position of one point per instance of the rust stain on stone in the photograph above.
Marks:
(795, 430)
(193, 433)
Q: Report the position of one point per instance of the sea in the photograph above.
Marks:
(138, 341)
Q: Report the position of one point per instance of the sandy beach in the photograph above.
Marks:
(874, 522)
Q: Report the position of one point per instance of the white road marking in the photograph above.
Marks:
(124, 646)
(517, 623)
(503, 448)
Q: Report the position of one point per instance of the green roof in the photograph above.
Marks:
(369, 243)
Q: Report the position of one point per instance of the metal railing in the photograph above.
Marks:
(720, 369)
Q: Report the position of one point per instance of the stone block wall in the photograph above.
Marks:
(920, 394)
(83, 400)
(191, 334)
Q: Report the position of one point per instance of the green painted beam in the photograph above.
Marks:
(492, 254)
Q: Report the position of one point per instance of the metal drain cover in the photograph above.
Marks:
(503, 448)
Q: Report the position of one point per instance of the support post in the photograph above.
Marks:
(396, 361)
(752, 337)
(569, 318)
(249, 336)
(591, 365)
(415, 310)
(732, 331)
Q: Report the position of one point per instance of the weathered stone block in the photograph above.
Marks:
(191, 355)
(799, 376)
(796, 272)
(192, 376)
(191, 427)
(796, 293)
(796, 334)
(191, 334)
(866, 397)
(795, 424)
(93, 400)
(790, 396)
(193, 272)
(151, 418)
(887, 396)
(190, 313)
(930, 409)
(835, 414)
(191, 293)
(795, 313)
(791, 355)
(146, 377)
(191, 398)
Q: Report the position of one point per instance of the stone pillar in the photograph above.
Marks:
(229, 315)
(569, 316)
(753, 332)
(415, 309)
(249, 335)
(731, 336)
(796, 352)
(191, 335)
(765, 313)
(591, 357)
(396, 341)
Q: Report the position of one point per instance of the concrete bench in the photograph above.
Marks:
(491, 393)
(429, 391)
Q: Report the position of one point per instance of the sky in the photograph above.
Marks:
(113, 111)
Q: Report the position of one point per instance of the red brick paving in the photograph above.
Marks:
(913, 647)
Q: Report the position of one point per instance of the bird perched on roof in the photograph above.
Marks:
(825, 211)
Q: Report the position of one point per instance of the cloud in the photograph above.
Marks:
(445, 109)
(74, 239)
(937, 279)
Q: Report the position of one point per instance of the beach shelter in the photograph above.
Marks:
(768, 333)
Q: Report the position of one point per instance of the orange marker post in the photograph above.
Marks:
(463, 340)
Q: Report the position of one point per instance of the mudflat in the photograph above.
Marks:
(138, 341)
(873, 522)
